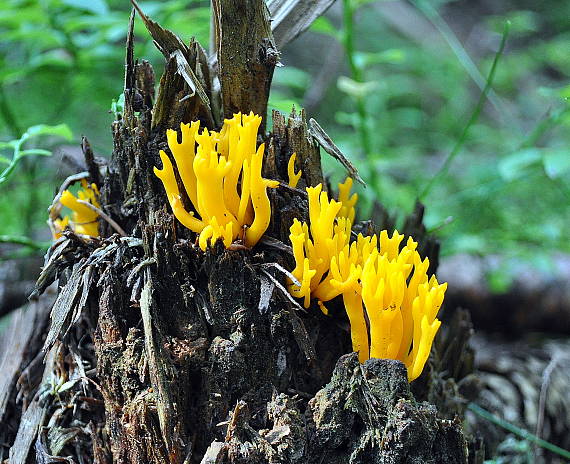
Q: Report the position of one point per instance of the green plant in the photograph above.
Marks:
(16, 153)
(60, 60)
(422, 101)
(519, 432)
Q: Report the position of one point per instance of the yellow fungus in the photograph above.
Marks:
(166, 175)
(258, 193)
(390, 301)
(293, 177)
(347, 201)
(221, 176)
(83, 220)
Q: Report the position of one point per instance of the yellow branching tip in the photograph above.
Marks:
(382, 280)
(293, 177)
(82, 220)
(221, 176)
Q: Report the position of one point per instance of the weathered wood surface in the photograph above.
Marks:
(157, 352)
(246, 55)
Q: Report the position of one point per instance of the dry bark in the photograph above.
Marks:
(158, 352)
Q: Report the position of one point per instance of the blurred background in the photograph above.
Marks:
(408, 91)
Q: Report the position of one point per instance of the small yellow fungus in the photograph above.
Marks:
(293, 177)
(347, 201)
(221, 175)
(83, 220)
(390, 301)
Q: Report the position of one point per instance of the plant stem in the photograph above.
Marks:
(474, 116)
(25, 241)
(463, 57)
(518, 431)
(356, 73)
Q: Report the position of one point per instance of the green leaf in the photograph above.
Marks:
(11, 144)
(59, 58)
(515, 165)
(61, 130)
(556, 162)
(118, 105)
(323, 25)
(291, 77)
(390, 56)
(35, 152)
(356, 89)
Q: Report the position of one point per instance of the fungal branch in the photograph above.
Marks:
(221, 175)
(390, 301)
(293, 176)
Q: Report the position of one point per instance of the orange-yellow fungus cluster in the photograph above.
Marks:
(83, 219)
(221, 174)
(390, 301)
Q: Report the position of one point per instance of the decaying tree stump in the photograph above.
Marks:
(158, 352)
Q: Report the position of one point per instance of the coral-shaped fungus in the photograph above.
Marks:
(83, 220)
(390, 301)
(221, 175)
(293, 176)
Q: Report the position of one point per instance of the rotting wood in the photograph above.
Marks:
(246, 56)
(330, 147)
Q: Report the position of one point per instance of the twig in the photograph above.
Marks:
(458, 50)
(356, 72)
(546, 375)
(25, 241)
(105, 216)
(474, 116)
(55, 207)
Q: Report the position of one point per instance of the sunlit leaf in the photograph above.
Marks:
(516, 164)
(61, 130)
(323, 25)
(556, 162)
(356, 89)
(291, 77)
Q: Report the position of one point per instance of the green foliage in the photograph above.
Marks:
(61, 60)
(15, 154)
(506, 182)
(398, 106)
(517, 451)
(18, 153)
